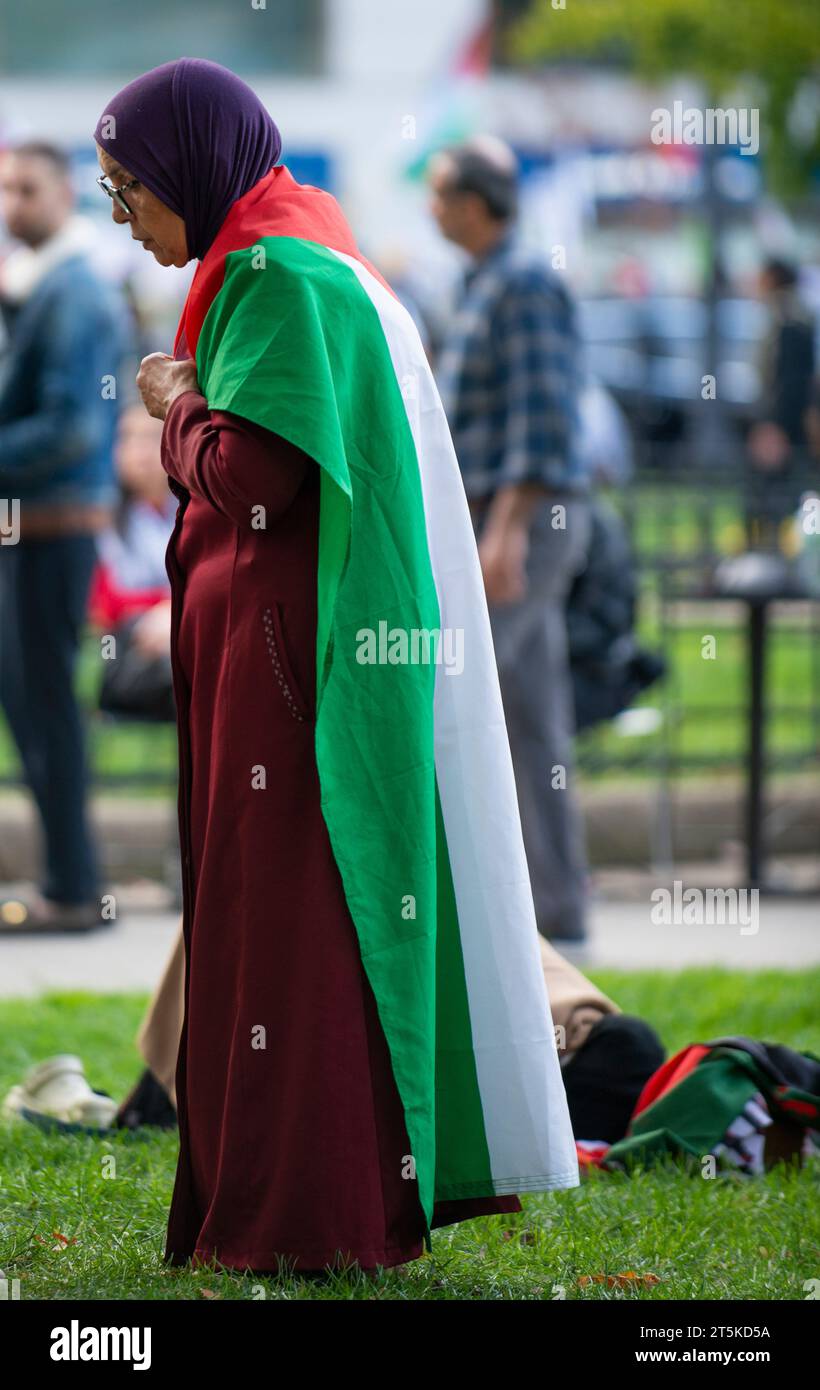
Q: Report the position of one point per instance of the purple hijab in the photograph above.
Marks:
(196, 136)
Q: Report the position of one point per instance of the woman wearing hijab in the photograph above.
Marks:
(367, 1049)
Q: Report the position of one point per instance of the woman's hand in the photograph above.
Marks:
(160, 380)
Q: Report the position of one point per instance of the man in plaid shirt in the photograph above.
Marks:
(508, 374)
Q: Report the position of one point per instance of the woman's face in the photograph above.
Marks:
(161, 231)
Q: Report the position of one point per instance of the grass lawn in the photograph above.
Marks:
(728, 1238)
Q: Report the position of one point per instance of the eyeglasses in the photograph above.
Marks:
(116, 193)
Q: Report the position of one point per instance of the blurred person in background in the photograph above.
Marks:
(63, 344)
(509, 376)
(130, 579)
(131, 591)
(777, 441)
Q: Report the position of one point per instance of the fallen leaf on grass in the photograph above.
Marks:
(622, 1281)
(62, 1241)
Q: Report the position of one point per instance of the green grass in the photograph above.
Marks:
(729, 1238)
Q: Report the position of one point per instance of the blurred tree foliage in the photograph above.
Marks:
(771, 47)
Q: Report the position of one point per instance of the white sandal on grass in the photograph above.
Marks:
(58, 1089)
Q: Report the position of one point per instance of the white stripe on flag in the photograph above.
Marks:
(526, 1120)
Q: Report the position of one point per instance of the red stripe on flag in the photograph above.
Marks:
(797, 1107)
(669, 1075)
(276, 206)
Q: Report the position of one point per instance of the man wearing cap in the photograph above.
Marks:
(509, 377)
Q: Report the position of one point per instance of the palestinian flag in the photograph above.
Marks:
(293, 329)
(748, 1103)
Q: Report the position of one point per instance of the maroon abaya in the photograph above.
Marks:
(292, 1134)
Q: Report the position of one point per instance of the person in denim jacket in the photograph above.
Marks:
(61, 341)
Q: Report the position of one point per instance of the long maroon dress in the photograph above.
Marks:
(292, 1132)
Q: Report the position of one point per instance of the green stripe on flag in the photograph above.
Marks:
(293, 342)
(462, 1143)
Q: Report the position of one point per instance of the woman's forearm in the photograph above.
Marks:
(235, 465)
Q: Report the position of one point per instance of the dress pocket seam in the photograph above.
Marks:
(285, 679)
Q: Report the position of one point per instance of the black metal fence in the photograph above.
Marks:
(685, 525)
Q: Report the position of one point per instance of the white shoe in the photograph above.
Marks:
(58, 1088)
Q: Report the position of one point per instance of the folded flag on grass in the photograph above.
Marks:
(746, 1103)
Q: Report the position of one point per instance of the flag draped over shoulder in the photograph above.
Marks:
(292, 329)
